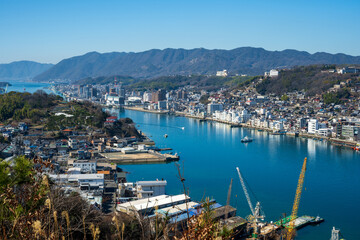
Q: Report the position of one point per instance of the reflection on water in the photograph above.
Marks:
(271, 164)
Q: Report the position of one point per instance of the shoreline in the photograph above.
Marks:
(147, 110)
(333, 141)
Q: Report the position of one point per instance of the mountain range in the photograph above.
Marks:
(169, 62)
(22, 69)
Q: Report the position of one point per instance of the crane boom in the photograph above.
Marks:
(228, 200)
(295, 208)
(245, 191)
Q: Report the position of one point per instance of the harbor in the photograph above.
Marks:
(198, 146)
(139, 158)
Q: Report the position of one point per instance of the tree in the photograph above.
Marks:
(284, 97)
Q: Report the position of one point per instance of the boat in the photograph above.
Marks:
(165, 136)
(246, 139)
(317, 220)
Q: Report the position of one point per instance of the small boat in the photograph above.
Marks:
(165, 136)
(317, 220)
(246, 139)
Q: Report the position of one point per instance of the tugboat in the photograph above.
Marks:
(246, 139)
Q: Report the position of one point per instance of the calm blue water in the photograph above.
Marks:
(30, 87)
(271, 165)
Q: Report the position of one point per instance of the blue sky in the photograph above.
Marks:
(49, 31)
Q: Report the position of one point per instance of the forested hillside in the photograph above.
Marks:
(199, 61)
(313, 79)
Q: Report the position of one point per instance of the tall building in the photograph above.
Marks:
(122, 92)
(80, 90)
(350, 131)
(313, 125)
(113, 92)
(147, 97)
(212, 107)
(93, 92)
(181, 94)
(160, 95)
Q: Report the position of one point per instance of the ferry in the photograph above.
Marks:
(246, 139)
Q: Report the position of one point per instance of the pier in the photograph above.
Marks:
(137, 158)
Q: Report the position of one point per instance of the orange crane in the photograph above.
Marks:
(291, 230)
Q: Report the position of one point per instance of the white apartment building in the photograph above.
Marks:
(313, 126)
(85, 166)
(222, 73)
(112, 100)
(272, 73)
(147, 97)
(151, 188)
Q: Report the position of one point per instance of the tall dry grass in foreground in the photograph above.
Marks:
(32, 207)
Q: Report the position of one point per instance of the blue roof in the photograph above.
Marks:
(192, 212)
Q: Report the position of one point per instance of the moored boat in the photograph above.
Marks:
(246, 139)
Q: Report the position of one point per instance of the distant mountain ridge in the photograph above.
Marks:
(22, 69)
(154, 63)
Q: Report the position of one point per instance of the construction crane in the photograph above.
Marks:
(256, 215)
(228, 200)
(291, 230)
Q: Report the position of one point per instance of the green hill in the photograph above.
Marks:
(314, 79)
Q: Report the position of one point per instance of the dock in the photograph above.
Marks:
(139, 158)
(298, 222)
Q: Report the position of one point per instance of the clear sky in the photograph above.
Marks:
(51, 30)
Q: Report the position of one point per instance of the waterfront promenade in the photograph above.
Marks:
(335, 141)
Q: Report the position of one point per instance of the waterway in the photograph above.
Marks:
(23, 86)
(271, 165)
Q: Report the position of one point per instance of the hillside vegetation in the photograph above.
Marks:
(125, 80)
(22, 69)
(19, 106)
(171, 82)
(199, 81)
(308, 78)
(199, 61)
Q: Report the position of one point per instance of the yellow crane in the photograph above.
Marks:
(291, 230)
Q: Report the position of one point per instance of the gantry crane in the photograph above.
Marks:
(256, 215)
(291, 229)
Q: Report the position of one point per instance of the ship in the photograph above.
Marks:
(246, 139)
